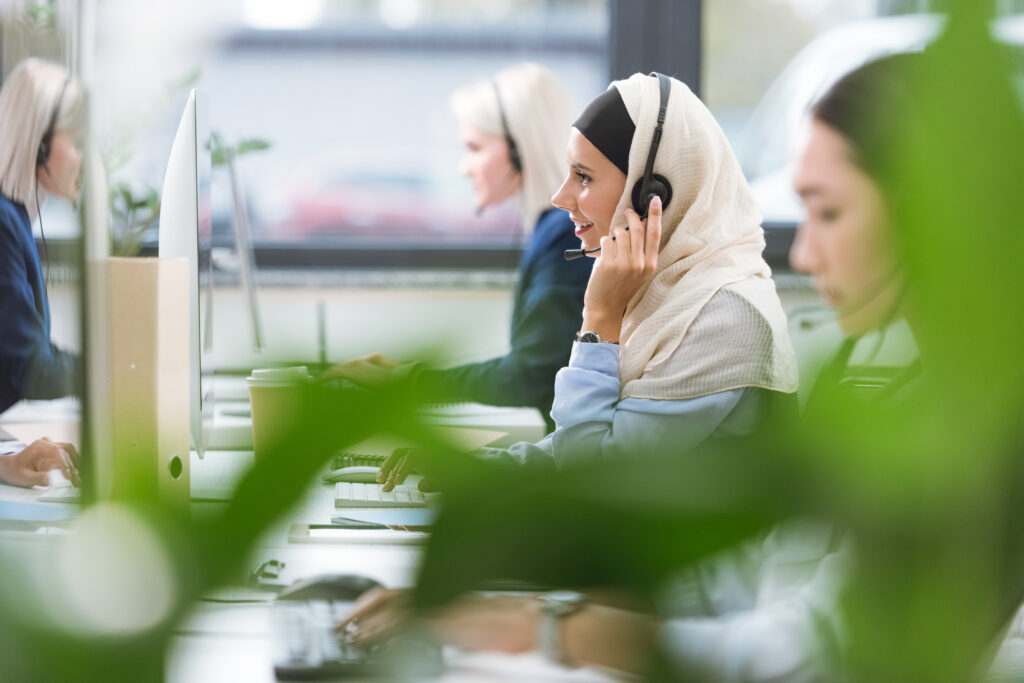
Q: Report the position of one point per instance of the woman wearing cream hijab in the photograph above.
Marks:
(683, 336)
(683, 339)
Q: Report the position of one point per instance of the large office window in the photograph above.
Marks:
(766, 61)
(352, 101)
(748, 45)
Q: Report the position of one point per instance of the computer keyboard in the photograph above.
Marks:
(351, 495)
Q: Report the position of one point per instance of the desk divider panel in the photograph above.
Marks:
(139, 378)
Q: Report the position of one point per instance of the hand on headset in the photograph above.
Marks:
(628, 258)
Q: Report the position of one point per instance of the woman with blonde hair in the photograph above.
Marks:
(41, 109)
(513, 128)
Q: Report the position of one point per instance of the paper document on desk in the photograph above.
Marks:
(35, 512)
(390, 517)
(375, 450)
(328, 533)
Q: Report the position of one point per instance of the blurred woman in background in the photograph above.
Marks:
(513, 128)
(41, 121)
(683, 336)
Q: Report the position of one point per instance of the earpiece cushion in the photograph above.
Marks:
(513, 156)
(657, 185)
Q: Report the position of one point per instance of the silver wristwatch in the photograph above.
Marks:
(554, 608)
(589, 337)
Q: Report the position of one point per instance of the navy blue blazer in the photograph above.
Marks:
(547, 314)
(30, 366)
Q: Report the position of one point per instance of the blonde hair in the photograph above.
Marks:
(539, 115)
(27, 102)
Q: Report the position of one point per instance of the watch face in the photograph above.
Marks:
(589, 337)
(566, 597)
(562, 603)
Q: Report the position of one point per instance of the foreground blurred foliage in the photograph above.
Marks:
(203, 552)
(927, 490)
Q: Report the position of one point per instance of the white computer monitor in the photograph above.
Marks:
(244, 247)
(184, 233)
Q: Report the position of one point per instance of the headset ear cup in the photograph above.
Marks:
(657, 185)
(43, 155)
(514, 158)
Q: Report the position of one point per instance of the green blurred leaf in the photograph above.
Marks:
(254, 145)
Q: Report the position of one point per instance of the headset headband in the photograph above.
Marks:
(513, 150)
(651, 184)
(43, 155)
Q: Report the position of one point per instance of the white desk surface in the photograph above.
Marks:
(30, 420)
(59, 410)
(231, 431)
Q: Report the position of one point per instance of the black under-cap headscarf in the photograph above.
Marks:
(606, 124)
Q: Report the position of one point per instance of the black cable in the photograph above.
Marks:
(46, 253)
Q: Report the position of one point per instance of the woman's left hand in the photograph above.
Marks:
(497, 623)
(373, 371)
(628, 258)
(376, 615)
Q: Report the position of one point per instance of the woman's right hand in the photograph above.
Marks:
(629, 257)
(401, 463)
(30, 466)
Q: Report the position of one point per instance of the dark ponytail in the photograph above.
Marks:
(872, 107)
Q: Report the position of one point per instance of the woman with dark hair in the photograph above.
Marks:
(845, 178)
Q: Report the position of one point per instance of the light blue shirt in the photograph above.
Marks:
(7, 447)
(592, 422)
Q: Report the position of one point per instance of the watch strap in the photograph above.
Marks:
(554, 608)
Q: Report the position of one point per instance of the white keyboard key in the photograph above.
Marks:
(349, 494)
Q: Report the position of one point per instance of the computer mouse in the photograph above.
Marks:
(357, 474)
(329, 587)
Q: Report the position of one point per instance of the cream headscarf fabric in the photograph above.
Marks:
(711, 238)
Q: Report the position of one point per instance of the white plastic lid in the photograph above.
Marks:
(279, 376)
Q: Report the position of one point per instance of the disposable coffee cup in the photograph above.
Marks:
(275, 397)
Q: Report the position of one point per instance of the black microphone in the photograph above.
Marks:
(573, 254)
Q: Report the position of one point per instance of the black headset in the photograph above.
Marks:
(42, 159)
(651, 184)
(513, 150)
(45, 144)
